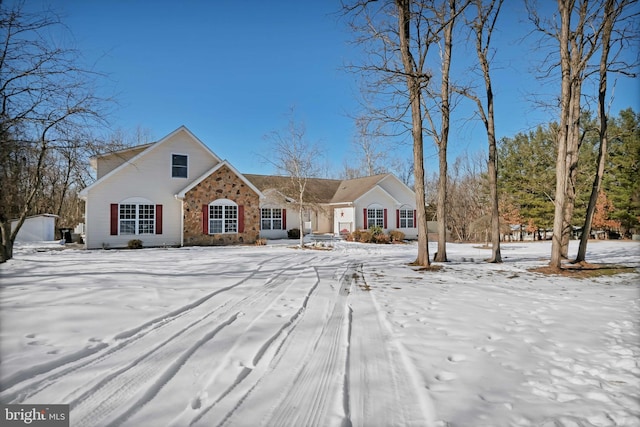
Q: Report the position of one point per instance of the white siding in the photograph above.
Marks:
(407, 200)
(403, 194)
(36, 229)
(377, 196)
(344, 218)
(147, 177)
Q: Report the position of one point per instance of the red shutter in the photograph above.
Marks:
(114, 219)
(384, 219)
(365, 218)
(397, 218)
(284, 219)
(205, 219)
(415, 216)
(240, 219)
(158, 219)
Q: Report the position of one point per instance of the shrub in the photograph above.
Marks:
(375, 230)
(396, 235)
(134, 244)
(261, 242)
(365, 236)
(354, 236)
(294, 233)
(381, 238)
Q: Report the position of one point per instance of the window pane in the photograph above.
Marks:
(127, 227)
(179, 160)
(277, 224)
(145, 226)
(178, 166)
(215, 212)
(265, 224)
(127, 211)
(230, 212)
(230, 226)
(230, 219)
(215, 226)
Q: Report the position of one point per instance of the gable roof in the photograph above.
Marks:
(125, 154)
(318, 190)
(352, 189)
(321, 190)
(146, 149)
(202, 177)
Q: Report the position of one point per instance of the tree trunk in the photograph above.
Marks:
(301, 218)
(602, 115)
(493, 190)
(489, 119)
(573, 150)
(441, 254)
(413, 86)
(561, 159)
(6, 245)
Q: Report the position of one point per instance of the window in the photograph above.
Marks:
(406, 218)
(223, 217)
(137, 218)
(179, 166)
(271, 219)
(375, 217)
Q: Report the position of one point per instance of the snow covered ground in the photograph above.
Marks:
(276, 336)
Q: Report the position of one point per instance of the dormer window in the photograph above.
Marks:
(179, 166)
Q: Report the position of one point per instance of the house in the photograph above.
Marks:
(36, 228)
(176, 191)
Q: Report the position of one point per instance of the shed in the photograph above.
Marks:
(36, 228)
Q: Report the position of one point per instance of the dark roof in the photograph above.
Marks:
(350, 189)
(318, 190)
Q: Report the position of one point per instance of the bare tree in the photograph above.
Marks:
(612, 12)
(400, 38)
(296, 157)
(443, 18)
(482, 27)
(46, 100)
(578, 36)
(390, 31)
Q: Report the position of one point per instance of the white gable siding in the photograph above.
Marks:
(377, 196)
(400, 192)
(406, 199)
(148, 177)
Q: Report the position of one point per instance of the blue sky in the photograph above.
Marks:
(232, 70)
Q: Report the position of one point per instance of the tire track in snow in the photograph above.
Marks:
(80, 359)
(127, 341)
(123, 393)
(137, 333)
(319, 386)
(218, 412)
(383, 383)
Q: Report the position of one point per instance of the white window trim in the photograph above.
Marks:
(376, 208)
(137, 219)
(409, 216)
(171, 166)
(224, 203)
(271, 218)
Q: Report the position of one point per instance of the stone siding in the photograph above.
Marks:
(222, 184)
